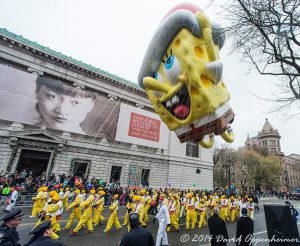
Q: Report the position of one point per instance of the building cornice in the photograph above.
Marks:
(21, 44)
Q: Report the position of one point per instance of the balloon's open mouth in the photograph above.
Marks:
(179, 104)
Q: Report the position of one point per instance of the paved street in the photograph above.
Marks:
(196, 237)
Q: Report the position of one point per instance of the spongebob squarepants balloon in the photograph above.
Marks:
(182, 75)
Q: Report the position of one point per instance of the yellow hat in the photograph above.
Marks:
(77, 191)
(83, 192)
(61, 189)
(53, 193)
(116, 196)
(190, 195)
(92, 192)
(143, 192)
(232, 197)
(202, 199)
(45, 188)
(67, 188)
(55, 198)
(223, 196)
(40, 189)
(210, 197)
(102, 193)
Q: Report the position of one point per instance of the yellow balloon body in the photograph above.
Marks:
(188, 91)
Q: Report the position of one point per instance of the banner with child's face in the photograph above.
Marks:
(41, 100)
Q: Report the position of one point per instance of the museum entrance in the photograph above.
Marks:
(35, 161)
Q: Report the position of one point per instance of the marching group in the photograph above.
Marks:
(169, 205)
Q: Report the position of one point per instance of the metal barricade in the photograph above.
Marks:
(25, 200)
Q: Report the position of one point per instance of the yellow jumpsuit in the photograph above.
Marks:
(177, 207)
(224, 209)
(52, 209)
(211, 204)
(113, 218)
(147, 206)
(98, 208)
(86, 218)
(76, 212)
(202, 209)
(126, 218)
(44, 199)
(232, 209)
(65, 201)
(190, 213)
(139, 209)
(37, 205)
(173, 216)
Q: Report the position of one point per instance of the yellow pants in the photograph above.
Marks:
(76, 213)
(66, 204)
(173, 218)
(85, 219)
(55, 224)
(191, 216)
(146, 219)
(98, 218)
(224, 214)
(202, 221)
(232, 214)
(35, 209)
(126, 219)
(113, 219)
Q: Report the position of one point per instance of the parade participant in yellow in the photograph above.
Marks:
(204, 196)
(211, 204)
(44, 197)
(216, 197)
(98, 208)
(130, 208)
(76, 212)
(83, 194)
(224, 208)
(232, 208)
(177, 207)
(172, 212)
(202, 209)
(182, 205)
(139, 209)
(45, 213)
(238, 206)
(52, 210)
(37, 205)
(65, 199)
(147, 206)
(251, 208)
(86, 218)
(191, 212)
(113, 218)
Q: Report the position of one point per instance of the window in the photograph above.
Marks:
(145, 177)
(115, 174)
(192, 149)
(273, 142)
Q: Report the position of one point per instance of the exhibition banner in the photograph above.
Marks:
(141, 127)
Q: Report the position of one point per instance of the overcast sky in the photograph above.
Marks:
(113, 35)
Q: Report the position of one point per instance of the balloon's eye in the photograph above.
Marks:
(172, 69)
(159, 78)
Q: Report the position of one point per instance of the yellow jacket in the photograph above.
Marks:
(114, 207)
(88, 202)
(76, 202)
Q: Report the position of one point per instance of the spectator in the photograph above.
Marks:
(244, 229)
(137, 236)
(217, 229)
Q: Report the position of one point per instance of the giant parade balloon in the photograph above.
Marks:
(182, 75)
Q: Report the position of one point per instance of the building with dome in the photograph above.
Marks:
(267, 142)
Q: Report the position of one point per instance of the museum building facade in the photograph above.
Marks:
(148, 155)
